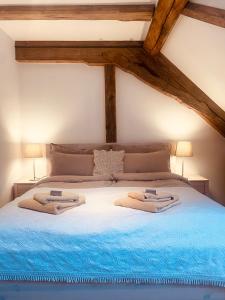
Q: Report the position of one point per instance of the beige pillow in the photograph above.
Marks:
(108, 162)
(158, 161)
(71, 164)
(78, 148)
(141, 148)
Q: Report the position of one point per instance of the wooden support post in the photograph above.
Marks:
(110, 103)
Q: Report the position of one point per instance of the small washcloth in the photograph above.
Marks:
(149, 197)
(153, 207)
(54, 208)
(45, 198)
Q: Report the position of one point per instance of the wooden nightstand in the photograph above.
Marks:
(199, 183)
(22, 186)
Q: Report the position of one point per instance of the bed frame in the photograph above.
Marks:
(46, 291)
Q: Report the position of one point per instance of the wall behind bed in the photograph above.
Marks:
(62, 103)
(9, 119)
(65, 103)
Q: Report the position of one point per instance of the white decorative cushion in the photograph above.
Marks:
(108, 162)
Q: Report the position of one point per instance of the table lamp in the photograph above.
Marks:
(184, 149)
(33, 151)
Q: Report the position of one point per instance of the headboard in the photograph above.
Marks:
(86, 148)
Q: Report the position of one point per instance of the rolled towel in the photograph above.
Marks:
(162, 197)
(54, 208)
(153, 207)
(45, 198)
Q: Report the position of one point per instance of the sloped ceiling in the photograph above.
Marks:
(199, 58)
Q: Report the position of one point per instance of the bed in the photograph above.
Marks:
(103, 250)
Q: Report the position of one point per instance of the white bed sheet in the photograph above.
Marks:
(99, 214)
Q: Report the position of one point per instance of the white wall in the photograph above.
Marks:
(61, 103)
(65, 103)
(9, 119)
(198, 48)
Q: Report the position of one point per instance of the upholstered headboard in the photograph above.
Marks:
(128, 147)
(88, 148)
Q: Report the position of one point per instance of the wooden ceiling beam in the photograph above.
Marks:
(78, 44)
(92, 53)
(212, 15)
(165, 16)
(156, 71)
(120, 12)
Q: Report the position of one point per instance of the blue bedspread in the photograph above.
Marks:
(100, 243)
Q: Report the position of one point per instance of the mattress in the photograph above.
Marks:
(105, 244)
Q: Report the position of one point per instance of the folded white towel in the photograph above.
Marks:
(159, 195)
(45, 198)
(161, 199)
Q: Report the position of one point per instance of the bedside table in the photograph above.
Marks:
(22, 186)
(199, 183)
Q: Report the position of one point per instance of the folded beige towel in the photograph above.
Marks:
(54, 208)
(160, 197)
(45, 198)
(154, 207)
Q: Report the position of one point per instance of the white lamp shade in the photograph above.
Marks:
(184, 149)
(32, 151)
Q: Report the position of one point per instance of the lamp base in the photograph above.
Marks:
(34, 172)
(182, 174)
(34, 179)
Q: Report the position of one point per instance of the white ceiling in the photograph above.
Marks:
(80, 29)
(213, 3)
(75, 30)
